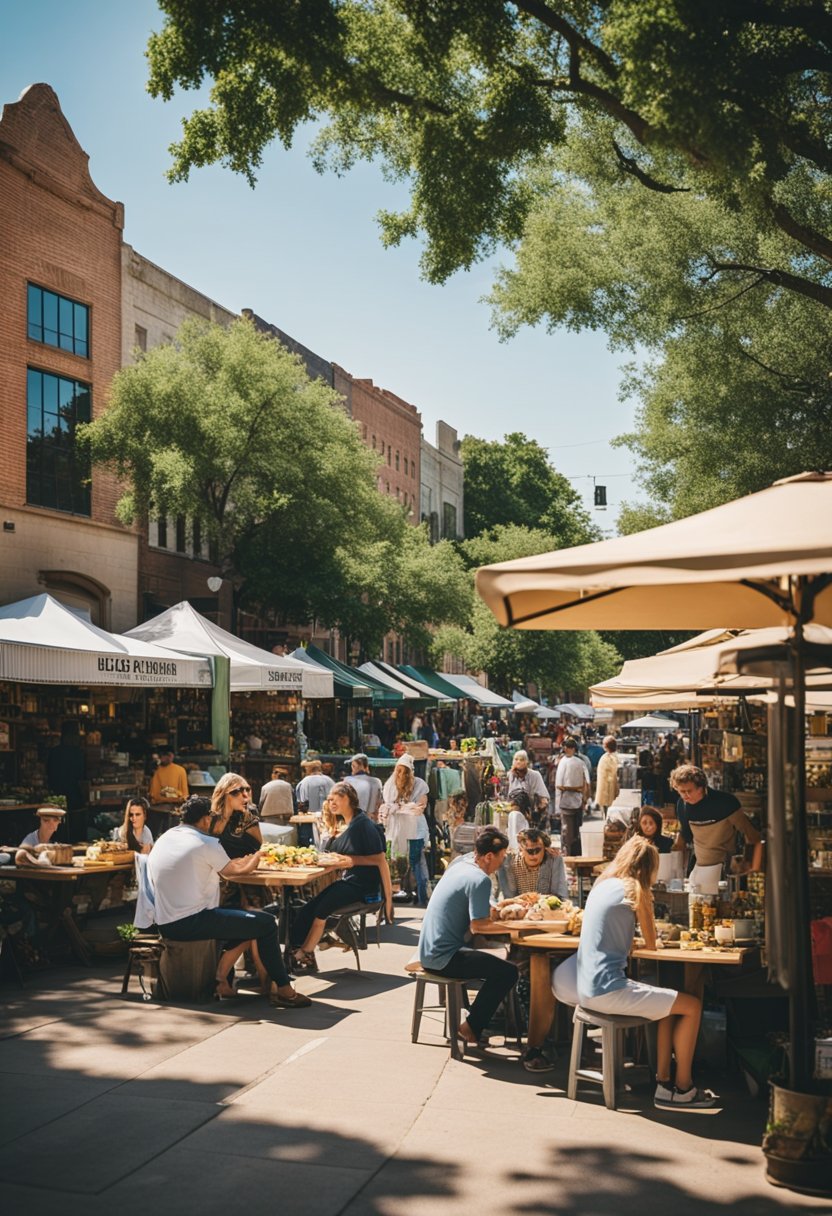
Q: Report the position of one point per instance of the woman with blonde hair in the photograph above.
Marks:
(237, 826)
(596, 978)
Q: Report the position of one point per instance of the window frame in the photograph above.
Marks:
(59, 332)
(77, 472)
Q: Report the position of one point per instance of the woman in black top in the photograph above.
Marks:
(362, 847)
(649, 825)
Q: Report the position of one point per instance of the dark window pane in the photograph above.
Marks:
(50, 395)
(65, 322)
(81, 330)
(34, 382)
(181, 534)
(83, 411)
(50, 318)
(162, 532)
(197, 538)
(34, 311)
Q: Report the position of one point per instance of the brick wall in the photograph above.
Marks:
(393, 428)
(61, 233)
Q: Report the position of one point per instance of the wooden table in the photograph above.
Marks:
(63, 877)
(583, 867)
(544, 945)
(282, 880)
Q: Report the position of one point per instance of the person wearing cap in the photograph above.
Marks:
(572, 789)
(50, 819)
(523, 778)
(276, 803)
(369, 787)
(313, 790)
(403, 816)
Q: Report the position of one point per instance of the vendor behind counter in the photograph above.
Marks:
(710, 819)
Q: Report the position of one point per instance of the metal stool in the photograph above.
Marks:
(611, 1077)
(143, 960)
(451, 993)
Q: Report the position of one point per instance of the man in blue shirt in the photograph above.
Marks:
(459, 905)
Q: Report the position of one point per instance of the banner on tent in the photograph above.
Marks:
(43, 665)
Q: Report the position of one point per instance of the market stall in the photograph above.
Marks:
(264, 714)
(84, 709)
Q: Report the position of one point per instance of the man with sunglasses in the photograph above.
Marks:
(538, 868)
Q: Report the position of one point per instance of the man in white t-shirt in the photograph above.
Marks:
(314, 789)
(369, 787)
(277, 804)
(571, 791)
(184, 871)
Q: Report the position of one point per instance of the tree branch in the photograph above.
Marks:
(630, 165)
(793, 383)
(811, 19)
(783, 278)
(553, 21)
(801, 233)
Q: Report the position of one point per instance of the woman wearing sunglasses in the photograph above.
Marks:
(238, 829)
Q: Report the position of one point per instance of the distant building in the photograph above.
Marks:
(442, 498)
(60, 346)
(392, 427)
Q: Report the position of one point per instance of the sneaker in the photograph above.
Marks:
(663, 1094)
(535, 1061)
(691, 1099)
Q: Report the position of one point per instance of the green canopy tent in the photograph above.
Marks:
(347, 686)
(382, 696)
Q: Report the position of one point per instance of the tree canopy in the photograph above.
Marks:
(513, 482)
(224, 427)
(561, 664)
(460, 98)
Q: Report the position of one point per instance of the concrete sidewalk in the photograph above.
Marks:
(110, 1105)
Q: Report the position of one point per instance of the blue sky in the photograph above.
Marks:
(303, 251)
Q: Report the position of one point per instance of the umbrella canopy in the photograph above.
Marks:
(651, 722)
(44, 641)
(469, 688)
(726, 564)
(346, 687)
(576, 710)
(182, 628)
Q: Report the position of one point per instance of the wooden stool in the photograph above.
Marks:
(187, 971)
(612, 1027)
(451, 993)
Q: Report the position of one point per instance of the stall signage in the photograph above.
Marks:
(291, 679)
(54, 666)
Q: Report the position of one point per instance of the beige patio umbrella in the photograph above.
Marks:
(748, 564)
(764, 560)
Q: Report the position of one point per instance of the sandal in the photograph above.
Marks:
(223, 991)
(303, 960)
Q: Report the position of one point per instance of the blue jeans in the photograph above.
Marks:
(233, 925)
(419, 868)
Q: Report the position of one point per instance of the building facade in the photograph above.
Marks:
(174, 563)
(392, 427)
(60, 346)
(442, 494)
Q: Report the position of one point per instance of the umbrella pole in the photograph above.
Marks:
(801, 990)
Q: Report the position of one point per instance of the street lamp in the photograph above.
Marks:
(214, 583)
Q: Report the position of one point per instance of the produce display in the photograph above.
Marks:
(533, 907)
(285, 856)
(468, 746)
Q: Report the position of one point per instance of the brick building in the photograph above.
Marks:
(393, 428)
(60, 345)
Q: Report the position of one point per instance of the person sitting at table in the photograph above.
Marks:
(368, 875)
(236, 825)
(277, 799)
(169, 783)
(134, 832)
(50, 819)
(648, 823)
(596, 977)
(313, 788)
(184, 869)
(460, 907)
(534, 867)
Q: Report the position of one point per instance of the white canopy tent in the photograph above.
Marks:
(469, 687)
(525, 705)
(252, 669)
(384, 677)
(43, 641)
(651, 722)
